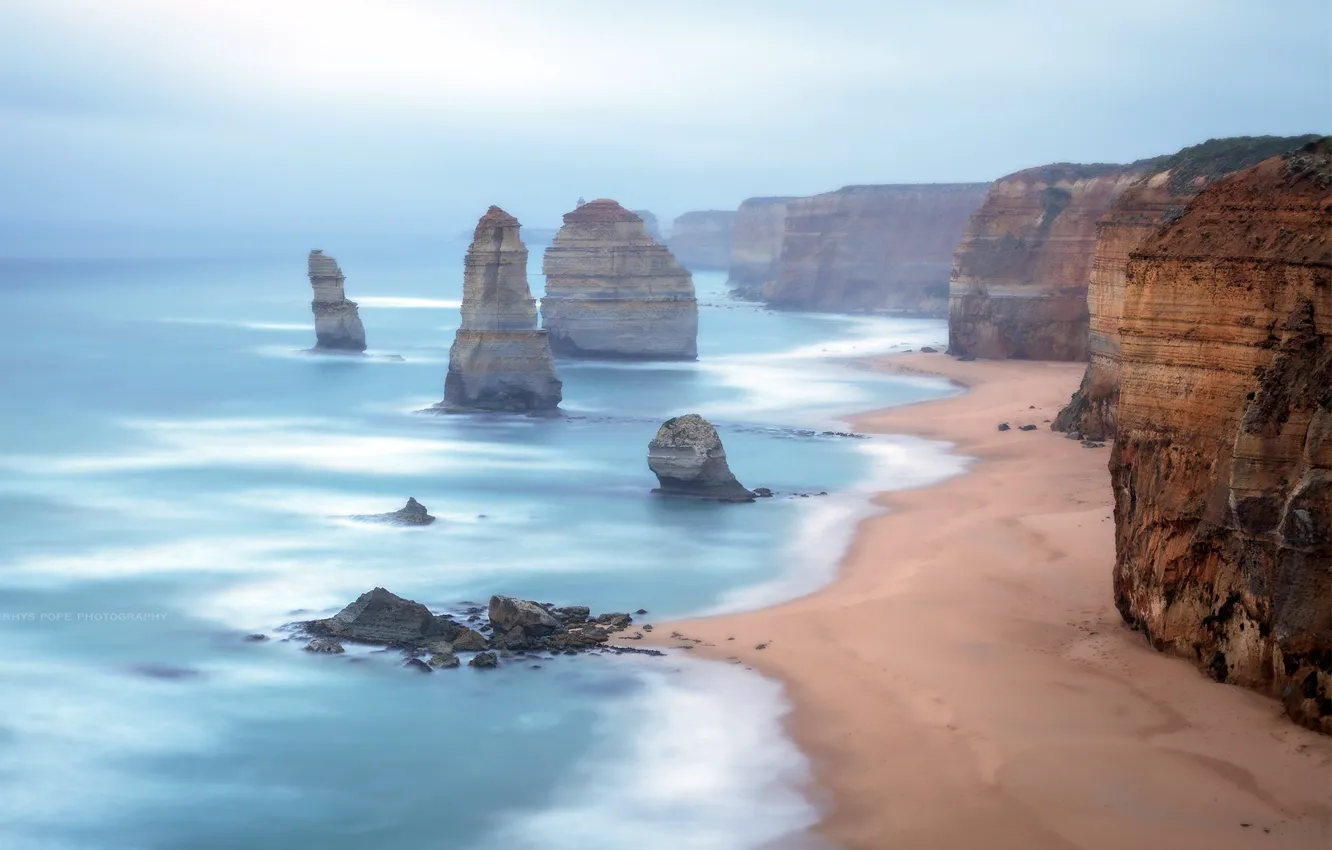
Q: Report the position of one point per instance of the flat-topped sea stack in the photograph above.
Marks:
(1020, 275)
(1222, 465)
(500, 360)
(756, 246)
(650, 223)
(882, 248)
(338, 325)
(613, 292)
(701, 239)
(688, 459)
(1158, 197)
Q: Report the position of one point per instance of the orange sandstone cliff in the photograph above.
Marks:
(1222, 466)
(880, 248)
(1019, 280)
(1145, 206)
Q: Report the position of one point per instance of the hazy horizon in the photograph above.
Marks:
(156, 123)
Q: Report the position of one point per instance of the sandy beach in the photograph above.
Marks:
(966, 681)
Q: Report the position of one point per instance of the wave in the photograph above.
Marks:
(237, 323)
(696, 758)
(404, 303)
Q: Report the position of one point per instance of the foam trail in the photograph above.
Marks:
(828, 525)
(697, 758)
(405, 303)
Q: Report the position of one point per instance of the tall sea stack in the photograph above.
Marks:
(499, 359)
(1222, 465)
(337, 323)
(613, 292)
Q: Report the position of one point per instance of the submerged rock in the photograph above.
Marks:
(443, 660)
(378, 616)
(337, 322)
(499, 360)
(413, 513)
(484, 660)
(688, 460)
(328, 646)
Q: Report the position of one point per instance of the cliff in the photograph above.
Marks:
(650, 224)
(613, 292)
(1222, 468)
(1153, 200)
(1020, 275)
(499, 359)
(338, 325)
(885, 248)
(756, 246)
(702, 240)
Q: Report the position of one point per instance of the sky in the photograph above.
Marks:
(143, 121)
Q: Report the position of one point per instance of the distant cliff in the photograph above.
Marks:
(1154, 199)
(1222, 467)
(702, 240)
(881, 248)
(756, 246)
(1019, 282)
(649, 223)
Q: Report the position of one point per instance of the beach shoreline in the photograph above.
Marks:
(966, 681)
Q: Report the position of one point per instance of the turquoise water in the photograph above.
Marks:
(175, 474)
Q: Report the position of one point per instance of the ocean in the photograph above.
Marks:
(177, 473)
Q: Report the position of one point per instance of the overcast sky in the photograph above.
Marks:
(390, 116)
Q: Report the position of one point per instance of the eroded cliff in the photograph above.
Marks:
(499, 359)
(756, 246)
(1020, 275)
(1139, 211)
(613, 292)
(881, 248)
(1222, 469)
(701, 239)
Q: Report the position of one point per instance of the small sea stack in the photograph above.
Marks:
(500, 360)
(613, 292)
(688, 459)
(338, 325)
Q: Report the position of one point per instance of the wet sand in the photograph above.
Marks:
(966, 682)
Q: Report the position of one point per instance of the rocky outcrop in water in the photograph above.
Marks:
(1222, 466)
(756, 246)
(613, 292)
(499, 359)
(1020, 275)
(412, 513)
(381, 618)
(701, 240)
(688, 459)
(873, 248)
(1140, 211)
(337, 323)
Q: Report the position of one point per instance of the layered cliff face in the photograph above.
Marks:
(702, 240)
(1142, 208)
(1222, 469)
(881, 248)
(613, 292)
(337, 323)
(499, 359)
(756, 246)
(1020, 275)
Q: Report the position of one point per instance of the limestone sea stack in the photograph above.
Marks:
(650, 223)
(756, 246)
(1222, 466)
(885, 248)
(688, 460)
(337, 323)
(613, 292)
(1020, 275)
(499, 359)
(1158, 197)
(701, 239)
